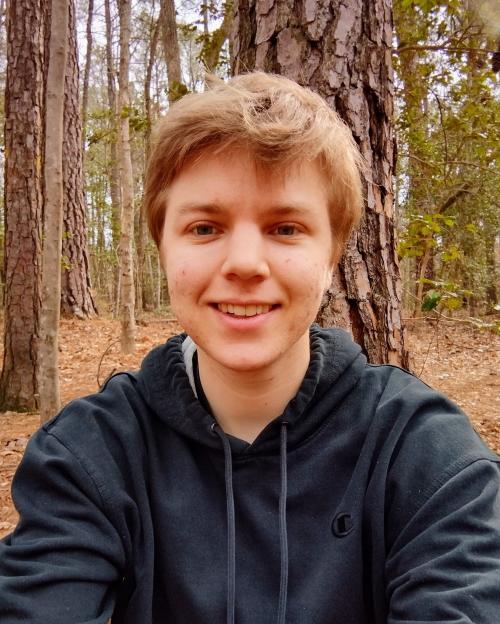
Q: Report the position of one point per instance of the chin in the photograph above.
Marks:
(243, 362)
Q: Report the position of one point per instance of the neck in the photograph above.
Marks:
(245, 402)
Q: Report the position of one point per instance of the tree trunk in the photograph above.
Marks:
(76, 288)
(23, 202)
(176, 87)
(145, 287)
(114, 183)
(342, 50)
(127, 294)
(86, 75)
(48, 360)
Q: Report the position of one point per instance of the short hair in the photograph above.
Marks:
(274, 118)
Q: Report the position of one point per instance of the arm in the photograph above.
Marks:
(64, 560)
(444, 564)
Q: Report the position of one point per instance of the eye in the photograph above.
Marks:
(286, 229)
(203, 229)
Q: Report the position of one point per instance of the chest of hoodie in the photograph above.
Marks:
(188, 505)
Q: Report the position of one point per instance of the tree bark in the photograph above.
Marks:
(23, 202)
(176, 87)
(144, 290)
(113, 174)
(86, 75)
(76, 287)
(48, 360)
(342, 50)
(127, 294)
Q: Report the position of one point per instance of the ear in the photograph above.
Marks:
(328, 277)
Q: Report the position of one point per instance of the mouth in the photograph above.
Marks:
(243, 311)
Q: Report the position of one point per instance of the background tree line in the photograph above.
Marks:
(416, 74)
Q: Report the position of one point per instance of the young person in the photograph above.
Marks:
(256, 469)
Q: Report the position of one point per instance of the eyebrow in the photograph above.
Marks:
(280, 210)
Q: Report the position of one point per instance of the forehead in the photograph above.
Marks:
(236, 176)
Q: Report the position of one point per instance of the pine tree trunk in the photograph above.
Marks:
(342, 50)
(127, 294)
(48, 357)
(23, 202)
(76, 288)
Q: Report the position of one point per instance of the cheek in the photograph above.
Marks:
(178, 279)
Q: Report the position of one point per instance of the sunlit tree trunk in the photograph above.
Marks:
(76, 288)
(127, 294)
(342, 50)
(23, 202)
(48, 360)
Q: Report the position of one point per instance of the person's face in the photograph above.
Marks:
(247, 256)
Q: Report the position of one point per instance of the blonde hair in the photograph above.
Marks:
(278, 121)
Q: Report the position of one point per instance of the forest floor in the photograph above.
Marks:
(453, 357)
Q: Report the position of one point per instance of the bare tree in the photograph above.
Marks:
(127, 294)
(48, 374)
(23, 202)
(342, 50)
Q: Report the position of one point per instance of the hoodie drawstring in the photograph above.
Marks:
(231, 526)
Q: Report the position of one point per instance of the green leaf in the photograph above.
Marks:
(431, 300)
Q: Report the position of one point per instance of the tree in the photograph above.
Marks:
(176, 87)
(113, 171)
(76, 288)
(127, 294)
(23, 202)
(48, 359)
(342, 50)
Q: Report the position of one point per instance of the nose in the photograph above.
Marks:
(245, 254)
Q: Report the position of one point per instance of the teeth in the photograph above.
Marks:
(240, 310)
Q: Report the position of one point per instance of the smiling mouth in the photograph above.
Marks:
(244, 310)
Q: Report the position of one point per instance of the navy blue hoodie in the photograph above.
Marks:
(371, 500)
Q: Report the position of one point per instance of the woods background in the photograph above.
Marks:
(84, 82)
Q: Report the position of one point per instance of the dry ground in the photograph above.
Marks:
(454, 358)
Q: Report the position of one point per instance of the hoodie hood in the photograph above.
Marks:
(335, 366)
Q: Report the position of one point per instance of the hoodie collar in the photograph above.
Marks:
(335, 367)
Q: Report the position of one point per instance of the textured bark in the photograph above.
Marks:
(342, 50)
(127, 294)
(23, 202)
(170, 41)
(48, 357)
(76, 293)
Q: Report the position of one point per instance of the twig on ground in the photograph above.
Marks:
(111, 344)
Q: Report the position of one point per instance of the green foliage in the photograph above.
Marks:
(447, 129)
(443, 295)
(424, 232)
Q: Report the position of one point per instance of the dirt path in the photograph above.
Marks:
(460, 362)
